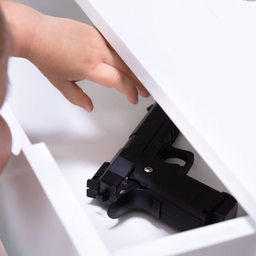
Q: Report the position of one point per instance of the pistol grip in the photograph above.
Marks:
(134, 200)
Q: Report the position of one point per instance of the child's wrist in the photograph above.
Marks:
(22, 22)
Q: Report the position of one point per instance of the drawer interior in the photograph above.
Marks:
(81, 142)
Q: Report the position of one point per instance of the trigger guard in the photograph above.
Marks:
(134, 200)
(186, 156)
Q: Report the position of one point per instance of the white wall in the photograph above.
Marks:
(59, 8)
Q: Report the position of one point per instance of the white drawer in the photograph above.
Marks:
(79, 143)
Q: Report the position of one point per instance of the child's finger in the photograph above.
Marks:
(109, 76)
(73, 93)
(114, 60)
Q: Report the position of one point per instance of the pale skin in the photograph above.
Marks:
(65, 51)
(5, 135)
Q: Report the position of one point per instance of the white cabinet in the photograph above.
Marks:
(42, 190)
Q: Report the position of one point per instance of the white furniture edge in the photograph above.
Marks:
(73, 218)
(193, 240)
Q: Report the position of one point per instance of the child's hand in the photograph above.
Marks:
(66, 51)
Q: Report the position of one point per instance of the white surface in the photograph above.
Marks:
(28, 224)
(18, 135)
(198, 59)
(196, 239)
(71, 215)
(78, 226)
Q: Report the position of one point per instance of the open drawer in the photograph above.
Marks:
(43, 197)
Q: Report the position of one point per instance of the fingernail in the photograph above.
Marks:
(134, 100)
(88, 109)
(145, 95)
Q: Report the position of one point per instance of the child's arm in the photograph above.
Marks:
(66, 51)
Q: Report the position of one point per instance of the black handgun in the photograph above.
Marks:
(139, 177)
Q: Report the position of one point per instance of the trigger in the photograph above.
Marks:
(134, 200)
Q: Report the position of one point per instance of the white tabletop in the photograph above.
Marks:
(198, 60)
